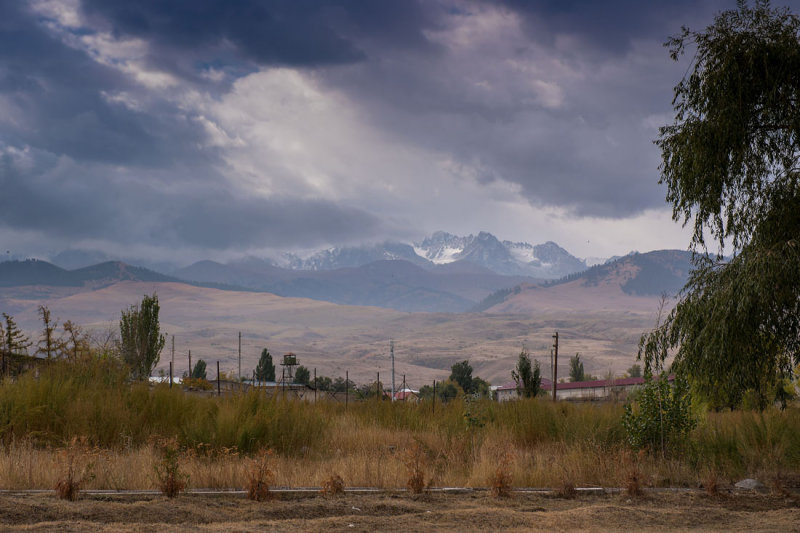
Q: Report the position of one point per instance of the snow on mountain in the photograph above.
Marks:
(484, 250)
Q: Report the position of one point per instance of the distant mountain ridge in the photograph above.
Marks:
(634, 276)
(544, 261)
(36, 272)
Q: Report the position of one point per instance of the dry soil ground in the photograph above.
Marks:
(401, 512)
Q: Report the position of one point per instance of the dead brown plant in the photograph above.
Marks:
(171, 480)
(633, 473)
(567, 490)
(76, 461)
(260, 476)
(415, 461)
(333, 486)
(711, 483)
(500, 482)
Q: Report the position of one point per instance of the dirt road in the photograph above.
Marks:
(402, 512)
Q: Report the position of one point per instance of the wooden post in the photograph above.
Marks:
(433, 408)
(346, 388)
(190, 363)
(240, 356)
(315, 385)
(378, 387)
(219, 389)
(170, 373)
(555, 364)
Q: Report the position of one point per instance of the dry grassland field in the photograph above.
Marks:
(336, 338)
(475, 511)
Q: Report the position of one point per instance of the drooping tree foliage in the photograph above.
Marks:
(730, 164)
(141, 340)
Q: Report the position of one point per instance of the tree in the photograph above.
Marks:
(48, 345)
(141, 340)
(199, 370)
(302, 375)
(527, 375)
(461, 373)
(14, 341)
(635, 371)
(76, 343)
(730, 165)
(576, 372)
(265, 370)
(324, 383)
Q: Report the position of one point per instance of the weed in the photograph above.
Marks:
(260, 476)
(77, 468)
(171, 481)
(500, 483)
(567, 490)
(711, 483)
(633, 473)
(414, 461)
(333, 486)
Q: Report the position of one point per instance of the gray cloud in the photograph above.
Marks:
(113, 128)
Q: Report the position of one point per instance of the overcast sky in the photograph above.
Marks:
(180, 130)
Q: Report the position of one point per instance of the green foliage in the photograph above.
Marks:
(199, 370)
(49, 344)
(324, 383)
(635, 371)
(265, 370)
(141, 340)
(527, 375)
(730, 164)
(13, 341)
(662, 418)
(576, 372)
(461, 373)
(302, 375)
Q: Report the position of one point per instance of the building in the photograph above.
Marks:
(599, 389)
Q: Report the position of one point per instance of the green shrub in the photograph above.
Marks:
(663, 418)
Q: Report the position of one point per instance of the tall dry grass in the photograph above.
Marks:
(553, 445)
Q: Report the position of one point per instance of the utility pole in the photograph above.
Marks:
(391, 352)
(555, 364)
(190, 363)
(240, 356)
(173, 350)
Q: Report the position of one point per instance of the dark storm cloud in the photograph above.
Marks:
(55, 96)
(611, 26)
(41, 194)
(87, 151)
(185, 36)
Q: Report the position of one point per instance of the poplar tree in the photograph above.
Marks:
(141, 340)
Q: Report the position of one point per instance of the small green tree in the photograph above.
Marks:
(199, 370)
(14, 342)
(528, 376)
(324, 383)
(48, 344)
(265, 370)
(302, 375)
(662, 418)
(461, 373)
(576, 372)
(141, 340)
(635, 371)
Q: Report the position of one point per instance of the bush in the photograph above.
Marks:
(663, 419)
(171, 481)
(260, 476)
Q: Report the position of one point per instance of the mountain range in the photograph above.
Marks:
(544, 261)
